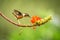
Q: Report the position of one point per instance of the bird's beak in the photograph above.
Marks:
(29, 16)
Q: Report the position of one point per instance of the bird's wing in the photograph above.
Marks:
(17, 12)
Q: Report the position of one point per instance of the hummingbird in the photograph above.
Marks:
(20, 15)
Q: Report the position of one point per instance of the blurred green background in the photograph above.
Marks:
(41, 8)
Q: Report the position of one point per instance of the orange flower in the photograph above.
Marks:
(35, 18)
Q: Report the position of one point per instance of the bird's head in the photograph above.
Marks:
(26, 15)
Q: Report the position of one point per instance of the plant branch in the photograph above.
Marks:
(20, 25)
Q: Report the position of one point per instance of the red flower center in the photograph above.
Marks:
(35, 18)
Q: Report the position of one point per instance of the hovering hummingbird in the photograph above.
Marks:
(20, 15)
